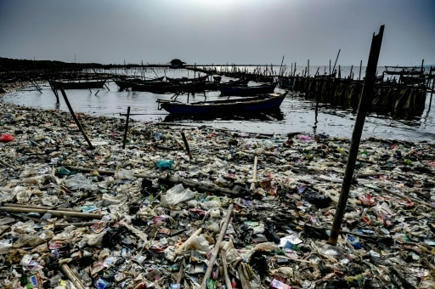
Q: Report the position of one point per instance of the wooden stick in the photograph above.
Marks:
(39, 207)
(75, 119)
(216, 248)
(52, 212)
(72, 276)
(186, 144)
(254, 174)
(126, 128)
(183, 246)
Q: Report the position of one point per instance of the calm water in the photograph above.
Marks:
(297, 114)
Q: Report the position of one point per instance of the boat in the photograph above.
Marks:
(186, 79)
(125, 83)
(247, 90)
(77, 84)
(238, 82)
(255, 104)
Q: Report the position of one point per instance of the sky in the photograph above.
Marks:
(217, 31)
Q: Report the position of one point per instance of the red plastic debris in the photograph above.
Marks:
(5, 137)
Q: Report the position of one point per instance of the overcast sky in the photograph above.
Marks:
(217, 31)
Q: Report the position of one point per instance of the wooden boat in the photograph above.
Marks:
(80, 84)
(238, 82)
(125, 83)
(254, 104)
(247, 90)
(186, 79)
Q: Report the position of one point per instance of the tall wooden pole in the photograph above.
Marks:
(124, 141)
(364, 102)
(360, 66)
(75, 118)
(336, 59)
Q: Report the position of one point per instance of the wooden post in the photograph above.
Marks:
(308, 67)
(124, 141)
(336, 59)
(55, 92)
(360, 66)
(186, 144)
(364, 102)
(75, 118)
(330, 67)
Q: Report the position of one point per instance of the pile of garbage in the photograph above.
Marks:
(244, 211)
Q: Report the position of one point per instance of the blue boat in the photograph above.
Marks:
(247, 90)
(260, 103)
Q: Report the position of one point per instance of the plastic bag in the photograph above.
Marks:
(175, 195)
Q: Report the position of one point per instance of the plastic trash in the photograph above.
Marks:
(6, 137)
(164, 164)
(276, 284)
(175, 195)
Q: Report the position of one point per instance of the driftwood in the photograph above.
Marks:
(216, 248)
(52, 212)
(72, 276)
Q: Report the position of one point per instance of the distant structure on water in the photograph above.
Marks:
(177, 63)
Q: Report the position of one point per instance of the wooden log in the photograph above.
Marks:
(52, 212)
(357, 131)
(216, 248)
(72, 276)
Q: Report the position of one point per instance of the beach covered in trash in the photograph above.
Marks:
(245, 211)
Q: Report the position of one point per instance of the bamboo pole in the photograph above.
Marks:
(216, 248)
(357, 131)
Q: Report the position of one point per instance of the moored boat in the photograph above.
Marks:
(247, 90)
(253, 104)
